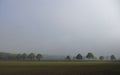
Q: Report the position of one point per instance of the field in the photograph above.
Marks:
(59, 68)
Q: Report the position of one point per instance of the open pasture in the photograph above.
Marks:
(59, 68)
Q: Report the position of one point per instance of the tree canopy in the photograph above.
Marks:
(101, 57)
(79, 56)
(90, 56)
(112, 57)
(24, 56)
(31, 56)
(39, 56)
(68, 57)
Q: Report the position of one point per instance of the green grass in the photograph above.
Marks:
(59, 68)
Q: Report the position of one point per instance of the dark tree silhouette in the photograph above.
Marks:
(31, 56)
(112, 57)
(68, 57)
(24, 56)
(79, 56)
(90, 56)
(39, 56)
(18, 56)
(101, 57)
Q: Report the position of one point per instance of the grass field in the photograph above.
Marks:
(59, 68)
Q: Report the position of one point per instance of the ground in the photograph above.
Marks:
(59, 68)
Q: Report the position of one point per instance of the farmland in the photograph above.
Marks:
(59, 68)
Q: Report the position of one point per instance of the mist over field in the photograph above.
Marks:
(60, 27)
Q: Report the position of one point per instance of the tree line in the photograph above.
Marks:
(90, 56)
(32, 57)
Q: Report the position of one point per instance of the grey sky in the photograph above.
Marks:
(60, 26)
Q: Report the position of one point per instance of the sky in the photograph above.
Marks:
(60, 27)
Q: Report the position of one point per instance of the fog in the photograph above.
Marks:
(60, 27)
